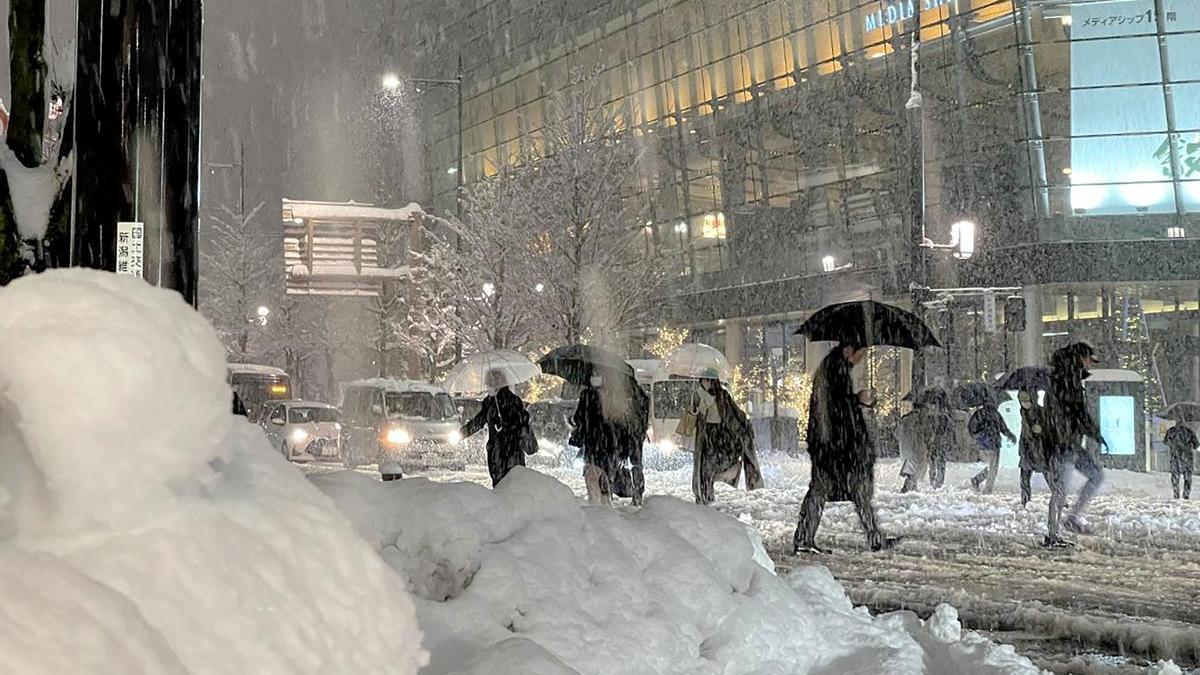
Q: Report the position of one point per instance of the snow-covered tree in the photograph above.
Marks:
(588, 239)
(238, 265)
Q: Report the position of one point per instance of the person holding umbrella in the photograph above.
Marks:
(925, 432)
(724, 440)
(1069, 422)
(987, 427)
(1182, 442)
(510, 437)
(602, 402)
(1028, 381)
(630, 432)
(842, 452)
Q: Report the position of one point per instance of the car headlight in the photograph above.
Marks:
(454, 438)
(299, 435)
(667, 446)
(398, 436)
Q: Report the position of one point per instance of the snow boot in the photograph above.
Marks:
(800, 549)
(1074, 524)
(1057, 542)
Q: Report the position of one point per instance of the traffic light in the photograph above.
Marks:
(1014, 314)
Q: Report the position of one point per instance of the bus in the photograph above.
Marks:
(256, 384)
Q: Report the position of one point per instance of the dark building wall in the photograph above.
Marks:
(137, 134)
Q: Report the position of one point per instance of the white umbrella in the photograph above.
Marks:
(470, 376)
(697, 360)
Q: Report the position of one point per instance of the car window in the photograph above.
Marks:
(311, 415)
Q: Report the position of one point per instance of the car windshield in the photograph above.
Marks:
(420, 405)
(312, 415)
(671, 398)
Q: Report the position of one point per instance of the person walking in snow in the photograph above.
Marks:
(630, 431)
(724, 443)
(1032, 445)
(842, 453)
(1069, 422)
(510, 437)
(987, 427)
(597, 440)
(922, 433)
(1182, 442)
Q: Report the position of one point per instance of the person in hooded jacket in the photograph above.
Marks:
(842, 452)
(510, 437)
(597, 440)
(987, 427)
(1032, 445)
(1069, 422)
(922, 433)
(724, 443)
(1182, 442)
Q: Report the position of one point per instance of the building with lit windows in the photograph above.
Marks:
(797, 163)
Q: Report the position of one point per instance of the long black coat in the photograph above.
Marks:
(1182, 442)
(1068, 419)
(838, 440)
(593, 433)
(1033, 438)
(506, 419)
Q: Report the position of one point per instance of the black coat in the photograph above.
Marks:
(506, 420)
(1034, 429)
(593, 433)
(838, 440)
(1182, 442)
(1068, 419)
(631, 428)
(988, 426)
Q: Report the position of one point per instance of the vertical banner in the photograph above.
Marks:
(989, 312)
(130, 248)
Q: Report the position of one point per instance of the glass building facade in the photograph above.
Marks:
(789, 166)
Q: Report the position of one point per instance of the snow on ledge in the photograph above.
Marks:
(350, 211)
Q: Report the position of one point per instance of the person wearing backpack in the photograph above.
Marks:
(987, 427)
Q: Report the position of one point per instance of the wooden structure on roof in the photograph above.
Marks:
(345, 248)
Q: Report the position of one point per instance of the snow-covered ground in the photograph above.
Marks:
(1131, 589)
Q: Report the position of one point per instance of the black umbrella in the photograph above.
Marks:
(973, 395)
(577, 363)
(868, 323)
(1025, 378)
(1184, 411)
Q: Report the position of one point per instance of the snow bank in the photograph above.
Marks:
(528, 579)
(145, 529)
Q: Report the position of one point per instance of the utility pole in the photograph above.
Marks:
(918, 279)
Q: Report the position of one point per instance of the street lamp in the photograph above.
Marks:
(829, 264)
(263, 312)
(391, 81)
(962, 241)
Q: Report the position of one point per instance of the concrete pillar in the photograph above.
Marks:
(734, 335)
(906, 371)
(1029, 346)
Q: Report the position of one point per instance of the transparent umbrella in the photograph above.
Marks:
(471, 375)
(694, 360)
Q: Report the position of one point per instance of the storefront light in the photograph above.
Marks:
(1085, 195)
(1143, 189)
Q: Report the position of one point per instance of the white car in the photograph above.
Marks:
(399, 420)
(304, 430)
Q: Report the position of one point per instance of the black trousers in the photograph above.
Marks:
(820, 488)
(1184, 477)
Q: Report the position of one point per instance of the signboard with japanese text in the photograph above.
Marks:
(1121, 156)
(989, 312)
(130, 248)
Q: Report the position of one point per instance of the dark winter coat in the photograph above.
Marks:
(631, 428)
(593, 434)
(506, 420)
(1182, 442)
(727, 445)
(1068, 419)
(838, 440)
(924, 434)
(1032, 447)
(987, 427)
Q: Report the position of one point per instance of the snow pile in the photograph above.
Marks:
(527, 579)
(144, 528)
